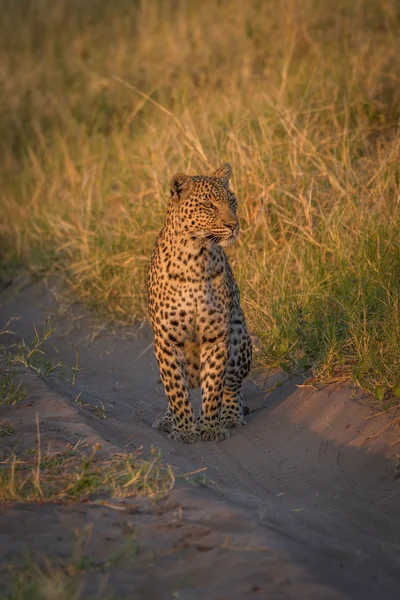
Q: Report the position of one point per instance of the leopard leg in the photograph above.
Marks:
(179, 419)
(192, 366)
(232, 409)
(238, 367)
(213, 356)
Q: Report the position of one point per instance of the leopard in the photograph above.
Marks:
(200, 333)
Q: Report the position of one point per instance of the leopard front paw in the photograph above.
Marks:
(215, 434)
(232, 421)
(211, 432)
(165, 424)
(186, 436)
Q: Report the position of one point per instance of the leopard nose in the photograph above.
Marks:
(231, 226)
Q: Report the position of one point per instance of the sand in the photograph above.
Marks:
(302, 502)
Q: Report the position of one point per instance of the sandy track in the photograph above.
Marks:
(302, 468)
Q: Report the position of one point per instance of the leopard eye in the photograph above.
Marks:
(207, 204)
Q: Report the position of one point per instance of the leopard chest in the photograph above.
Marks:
(192, 290)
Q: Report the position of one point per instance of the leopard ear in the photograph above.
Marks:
(180, 184)
(224, 173)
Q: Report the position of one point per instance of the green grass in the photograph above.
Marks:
(33, 356)
(11, 389)
(101, 103)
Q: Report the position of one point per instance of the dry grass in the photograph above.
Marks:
(49, 578)
(101, 103)
(73, 476)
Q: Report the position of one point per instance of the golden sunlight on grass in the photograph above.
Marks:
(101, 103)
(71, 476)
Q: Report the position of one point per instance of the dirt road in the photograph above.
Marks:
(306, 474)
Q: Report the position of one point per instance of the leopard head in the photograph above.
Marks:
(204, 207)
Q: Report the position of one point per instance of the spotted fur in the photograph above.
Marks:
(200, 334)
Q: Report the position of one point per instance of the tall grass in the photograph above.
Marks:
(102, 102)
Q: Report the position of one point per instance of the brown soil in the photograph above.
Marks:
(300, 503)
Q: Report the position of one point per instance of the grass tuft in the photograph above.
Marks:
(49, 578)
(101, 103)
(32, 356)
(69, 476)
